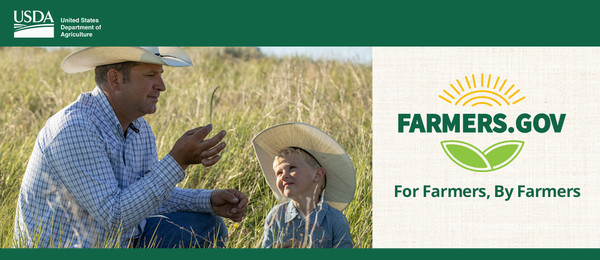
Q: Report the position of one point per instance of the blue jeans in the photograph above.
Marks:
(183, 230)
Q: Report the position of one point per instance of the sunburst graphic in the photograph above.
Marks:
(476, 91)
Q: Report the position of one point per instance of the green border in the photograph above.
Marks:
(301, 254)
(318, 23)
(321, 23)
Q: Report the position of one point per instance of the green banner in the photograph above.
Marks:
(302, 254)
(305, 23)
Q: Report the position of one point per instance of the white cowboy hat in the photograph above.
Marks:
(339, 170)
(89, 58)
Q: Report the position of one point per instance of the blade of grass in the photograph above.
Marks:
(211, 102)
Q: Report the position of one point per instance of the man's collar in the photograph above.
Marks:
(107, 113)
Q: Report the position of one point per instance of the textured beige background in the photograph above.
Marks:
(554, 80)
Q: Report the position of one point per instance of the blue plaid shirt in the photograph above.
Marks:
(325, 227)
(89, 185)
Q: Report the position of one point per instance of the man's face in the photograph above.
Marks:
(140, 94)
(295, 178)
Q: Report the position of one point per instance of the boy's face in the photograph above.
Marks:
(295, 178)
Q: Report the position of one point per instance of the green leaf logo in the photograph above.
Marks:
(473, 159)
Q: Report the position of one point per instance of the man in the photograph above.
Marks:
(94, 179)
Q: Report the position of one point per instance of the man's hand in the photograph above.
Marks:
(229, 203)
(191, 148)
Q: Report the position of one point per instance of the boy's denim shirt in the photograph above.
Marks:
(325, 227)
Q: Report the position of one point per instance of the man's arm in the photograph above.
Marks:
(193, 148)
(81, 161)
(194, 200)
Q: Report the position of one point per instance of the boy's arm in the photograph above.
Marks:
(341, 233)
(269, 228)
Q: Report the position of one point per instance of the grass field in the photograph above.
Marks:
(255, 92)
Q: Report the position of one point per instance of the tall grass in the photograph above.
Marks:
(255, 92)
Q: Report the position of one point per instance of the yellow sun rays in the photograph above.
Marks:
(484, 93)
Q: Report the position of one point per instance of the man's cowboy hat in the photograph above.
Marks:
(89, 58)
(339, 170)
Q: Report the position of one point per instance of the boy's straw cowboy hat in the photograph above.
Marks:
(89, 58)
(339, 170)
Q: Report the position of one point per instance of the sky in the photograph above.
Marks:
(361, 55)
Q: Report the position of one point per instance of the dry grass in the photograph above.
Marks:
(255, 92)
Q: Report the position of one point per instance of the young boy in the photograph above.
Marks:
(313, 177)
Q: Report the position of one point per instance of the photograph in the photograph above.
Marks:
(177, 147)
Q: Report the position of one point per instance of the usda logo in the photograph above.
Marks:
(33, 24)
